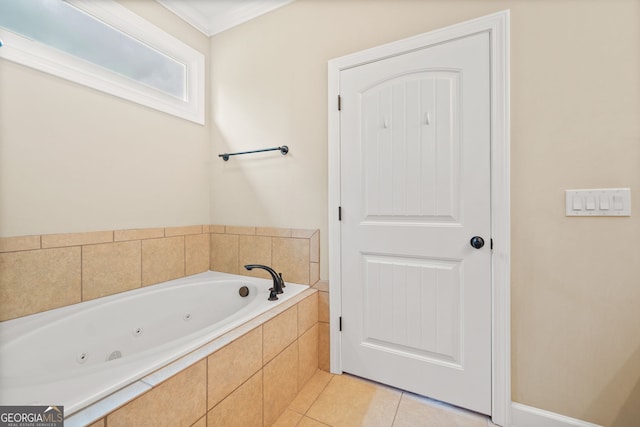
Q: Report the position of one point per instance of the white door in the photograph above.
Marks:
(415, 190)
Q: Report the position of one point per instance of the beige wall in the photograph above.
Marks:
(73, 159)
(575, 81)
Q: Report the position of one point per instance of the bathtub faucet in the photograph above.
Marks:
(278, 283)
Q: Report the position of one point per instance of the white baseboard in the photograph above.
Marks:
(528, 416)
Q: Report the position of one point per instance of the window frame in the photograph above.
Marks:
(22, 50)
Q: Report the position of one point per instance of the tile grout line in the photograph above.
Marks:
(395, 416)
(314, 401)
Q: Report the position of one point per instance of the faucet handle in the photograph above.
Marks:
(282, 280)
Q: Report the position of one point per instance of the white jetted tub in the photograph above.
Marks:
(76, 355)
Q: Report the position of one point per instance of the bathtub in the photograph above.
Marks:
(76, 355)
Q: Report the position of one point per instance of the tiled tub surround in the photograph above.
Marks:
(247, 377)
(39, 273)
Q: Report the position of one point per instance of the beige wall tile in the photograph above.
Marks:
(197, 249)
(291, 257)
(219, 229)
(307, 313)
(242, 408)
(35, 281)
(162, 260)
(232, 365)
(76, 239)
(254, 250)
(280, 383)
(179, 401)
(302, 233)
(279, 332)
(273, 232)
(183, 231)
(232, 229)
(19, 243)
(202, 422)
(110, 268)
(323, 346)
(310, 392)
(224, 253)
(314, 273)
(314, 247)
(308, 355)
(323, 306)
(138, 234)
(322, 285)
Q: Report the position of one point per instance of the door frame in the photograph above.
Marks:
(497, 25)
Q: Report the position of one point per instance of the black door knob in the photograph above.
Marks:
(477, 242)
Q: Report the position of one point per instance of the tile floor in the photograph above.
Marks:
(348, 401)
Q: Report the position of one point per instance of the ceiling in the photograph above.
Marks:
(214, 16)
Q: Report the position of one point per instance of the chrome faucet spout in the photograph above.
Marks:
(277, 280)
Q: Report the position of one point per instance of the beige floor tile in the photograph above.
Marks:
(310, 422)
(310, 391)
(288, 419)
(349, 401)
(417, 411)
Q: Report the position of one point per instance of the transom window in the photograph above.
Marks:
(105, 46)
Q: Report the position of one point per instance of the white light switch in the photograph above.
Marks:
(591, 203)
(598, 202)
(577, 203)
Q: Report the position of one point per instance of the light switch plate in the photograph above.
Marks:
(598, 202)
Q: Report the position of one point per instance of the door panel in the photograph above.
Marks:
(419, 313)
(415, 187)
(411, 122)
